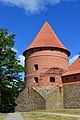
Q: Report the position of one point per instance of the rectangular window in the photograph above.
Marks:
(36, 67)
(52, 79)
(36, 79)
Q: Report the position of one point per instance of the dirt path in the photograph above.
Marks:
(60, 114)
(14, 116)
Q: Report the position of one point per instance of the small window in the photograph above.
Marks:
(74, 77)
(36, 67)
(36, 79)
(61, 50)
(40, 49)
(32, 51)
(66, 78)
(51, 49)
(52, 79)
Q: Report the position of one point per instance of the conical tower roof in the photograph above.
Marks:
(46, 38)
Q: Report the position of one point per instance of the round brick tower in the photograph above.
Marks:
(46, 59)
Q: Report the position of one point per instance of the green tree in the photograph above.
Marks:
(10, 79)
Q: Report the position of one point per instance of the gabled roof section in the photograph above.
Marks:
(46, 38)
(71, 73)
(75, 65)
(74, 68)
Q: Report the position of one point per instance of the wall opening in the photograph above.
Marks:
(66, 78)
(36, 66)
(52, 79)
(36, 79)
(74, 77)
(51, 49)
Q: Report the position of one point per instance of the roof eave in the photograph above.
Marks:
(47, 47)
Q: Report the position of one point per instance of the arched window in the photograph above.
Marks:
(52, 79)
(36, 79)
(36, 66)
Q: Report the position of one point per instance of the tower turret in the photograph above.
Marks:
(46, 59)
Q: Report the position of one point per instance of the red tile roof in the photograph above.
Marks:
(74, 68)
(46, 38)
(71, 72)
(75, 65)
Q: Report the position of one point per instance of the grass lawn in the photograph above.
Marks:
(2, 116)
(41, 116)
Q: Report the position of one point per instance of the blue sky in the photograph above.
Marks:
(25, 18)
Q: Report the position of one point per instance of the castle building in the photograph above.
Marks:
(49, 81)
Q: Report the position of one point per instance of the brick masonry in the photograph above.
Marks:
(71, 78)
(45, 58)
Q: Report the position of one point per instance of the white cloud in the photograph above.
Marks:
(32, 6)
(71, 60)
(21, 58)
(14, 49)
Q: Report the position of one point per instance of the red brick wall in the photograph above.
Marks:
(46, 59)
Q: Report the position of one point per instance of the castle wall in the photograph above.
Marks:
(71, 95)
(46, 97)
(33, 101)
(55, 100)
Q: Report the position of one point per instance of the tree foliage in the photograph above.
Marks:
(10, 69)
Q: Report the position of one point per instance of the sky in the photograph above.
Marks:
(26, 17)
